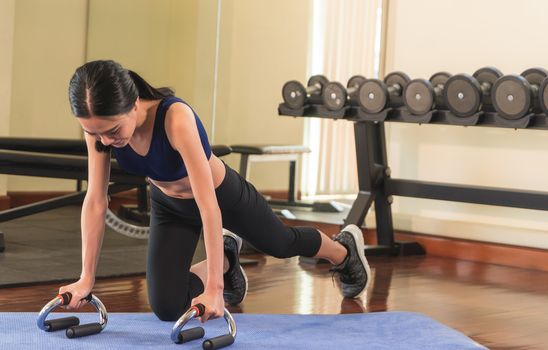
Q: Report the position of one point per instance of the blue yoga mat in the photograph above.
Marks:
(382, 330)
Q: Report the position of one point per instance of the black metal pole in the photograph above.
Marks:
(383, 210)
(366, 195)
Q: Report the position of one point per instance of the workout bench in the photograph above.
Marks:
(271, 153)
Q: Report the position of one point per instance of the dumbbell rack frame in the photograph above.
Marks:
(376, 185)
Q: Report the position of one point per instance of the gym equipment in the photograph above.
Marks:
(335, 96)
(67, 146)
(421, 96)
(265, 153)
(63, 167)
(126, 228)
(376, 95)
(543, 96)
(140, 331)
(466, 95)
(72, 324)
(295, 95)
(515, 96)
(44, 145)
(378, 188)
(179, 336)
(66, 160)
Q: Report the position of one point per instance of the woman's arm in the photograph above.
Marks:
(94, 208)
(183, 135)
(92, 223)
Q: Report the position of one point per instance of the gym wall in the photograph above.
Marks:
(156, 39)
(263, 43)
(48, 43)
(461, 36)
(256, 54)
(170, 42)
(7, 10)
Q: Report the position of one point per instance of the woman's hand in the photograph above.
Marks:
(79, 291)
(214, 304)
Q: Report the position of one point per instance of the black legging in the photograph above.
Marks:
(175, 227)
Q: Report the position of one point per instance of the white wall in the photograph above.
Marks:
(425, 36)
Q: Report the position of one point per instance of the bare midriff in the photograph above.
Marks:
(181, 188)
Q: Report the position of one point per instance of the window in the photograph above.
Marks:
(346, 39)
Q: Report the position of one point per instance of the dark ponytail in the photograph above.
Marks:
(146, 91)
(105, 88)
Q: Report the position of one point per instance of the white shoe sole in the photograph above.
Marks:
(356, 232)
(239, 242)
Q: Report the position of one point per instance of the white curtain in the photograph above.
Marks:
(346, 37)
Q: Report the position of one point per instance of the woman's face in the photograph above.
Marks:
(113, 131)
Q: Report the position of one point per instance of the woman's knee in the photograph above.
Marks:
(168, 309)
(169, 297)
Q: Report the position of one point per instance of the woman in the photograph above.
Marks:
(153, 133)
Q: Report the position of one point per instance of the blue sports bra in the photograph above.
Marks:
(162, 162)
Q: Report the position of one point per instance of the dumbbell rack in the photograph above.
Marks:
(376, 185)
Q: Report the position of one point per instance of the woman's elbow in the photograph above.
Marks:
(95, 203)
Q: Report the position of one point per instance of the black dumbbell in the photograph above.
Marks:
(335, 96)
(295, 95)
(516, 95)
(421, 96)
(376, 95)
(543, 96)
(465, 95)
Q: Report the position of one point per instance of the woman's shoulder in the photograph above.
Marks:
(169, 101)
(176, 109)
(177, 105)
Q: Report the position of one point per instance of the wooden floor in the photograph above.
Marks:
(500, 307)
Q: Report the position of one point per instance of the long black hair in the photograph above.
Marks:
(104, 88)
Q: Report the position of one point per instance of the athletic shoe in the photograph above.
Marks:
(235, 279)
(354, 272)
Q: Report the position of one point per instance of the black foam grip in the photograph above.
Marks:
(201, 309)
(88, 298)
(83, 330)
(67, 297)
(191, 334)
(61, 323)
(218, 342)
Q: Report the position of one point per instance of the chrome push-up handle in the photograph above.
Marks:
(179, 336)
(72, 324)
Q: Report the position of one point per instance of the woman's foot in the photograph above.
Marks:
(354, 272)
(235, 279)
